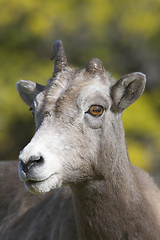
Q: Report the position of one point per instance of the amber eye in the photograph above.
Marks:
(96, 110)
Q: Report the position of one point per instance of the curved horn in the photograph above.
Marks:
(60, 57)
(94, 65)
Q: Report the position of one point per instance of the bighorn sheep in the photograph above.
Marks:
(80, 142)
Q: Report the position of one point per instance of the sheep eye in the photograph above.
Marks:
(31, 109)
(96, 110)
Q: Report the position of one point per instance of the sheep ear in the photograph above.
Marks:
(28, 90)
(127, 90)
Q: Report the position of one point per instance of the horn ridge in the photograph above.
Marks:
(94, 65)
(58, 53)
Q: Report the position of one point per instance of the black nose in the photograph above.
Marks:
(32, 162)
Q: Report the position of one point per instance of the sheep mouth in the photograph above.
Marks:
(34, 181)
(45, 185)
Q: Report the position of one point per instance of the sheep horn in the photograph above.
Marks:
(94, 65)
(58, 53)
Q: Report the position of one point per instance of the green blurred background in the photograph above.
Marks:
(124, 34)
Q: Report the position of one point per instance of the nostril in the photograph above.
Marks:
(32, 162)
(40, 160)
(35, 158)
(22, 166)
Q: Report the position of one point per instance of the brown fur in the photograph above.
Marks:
(130, 216)
(24, 216)
(106, 198)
